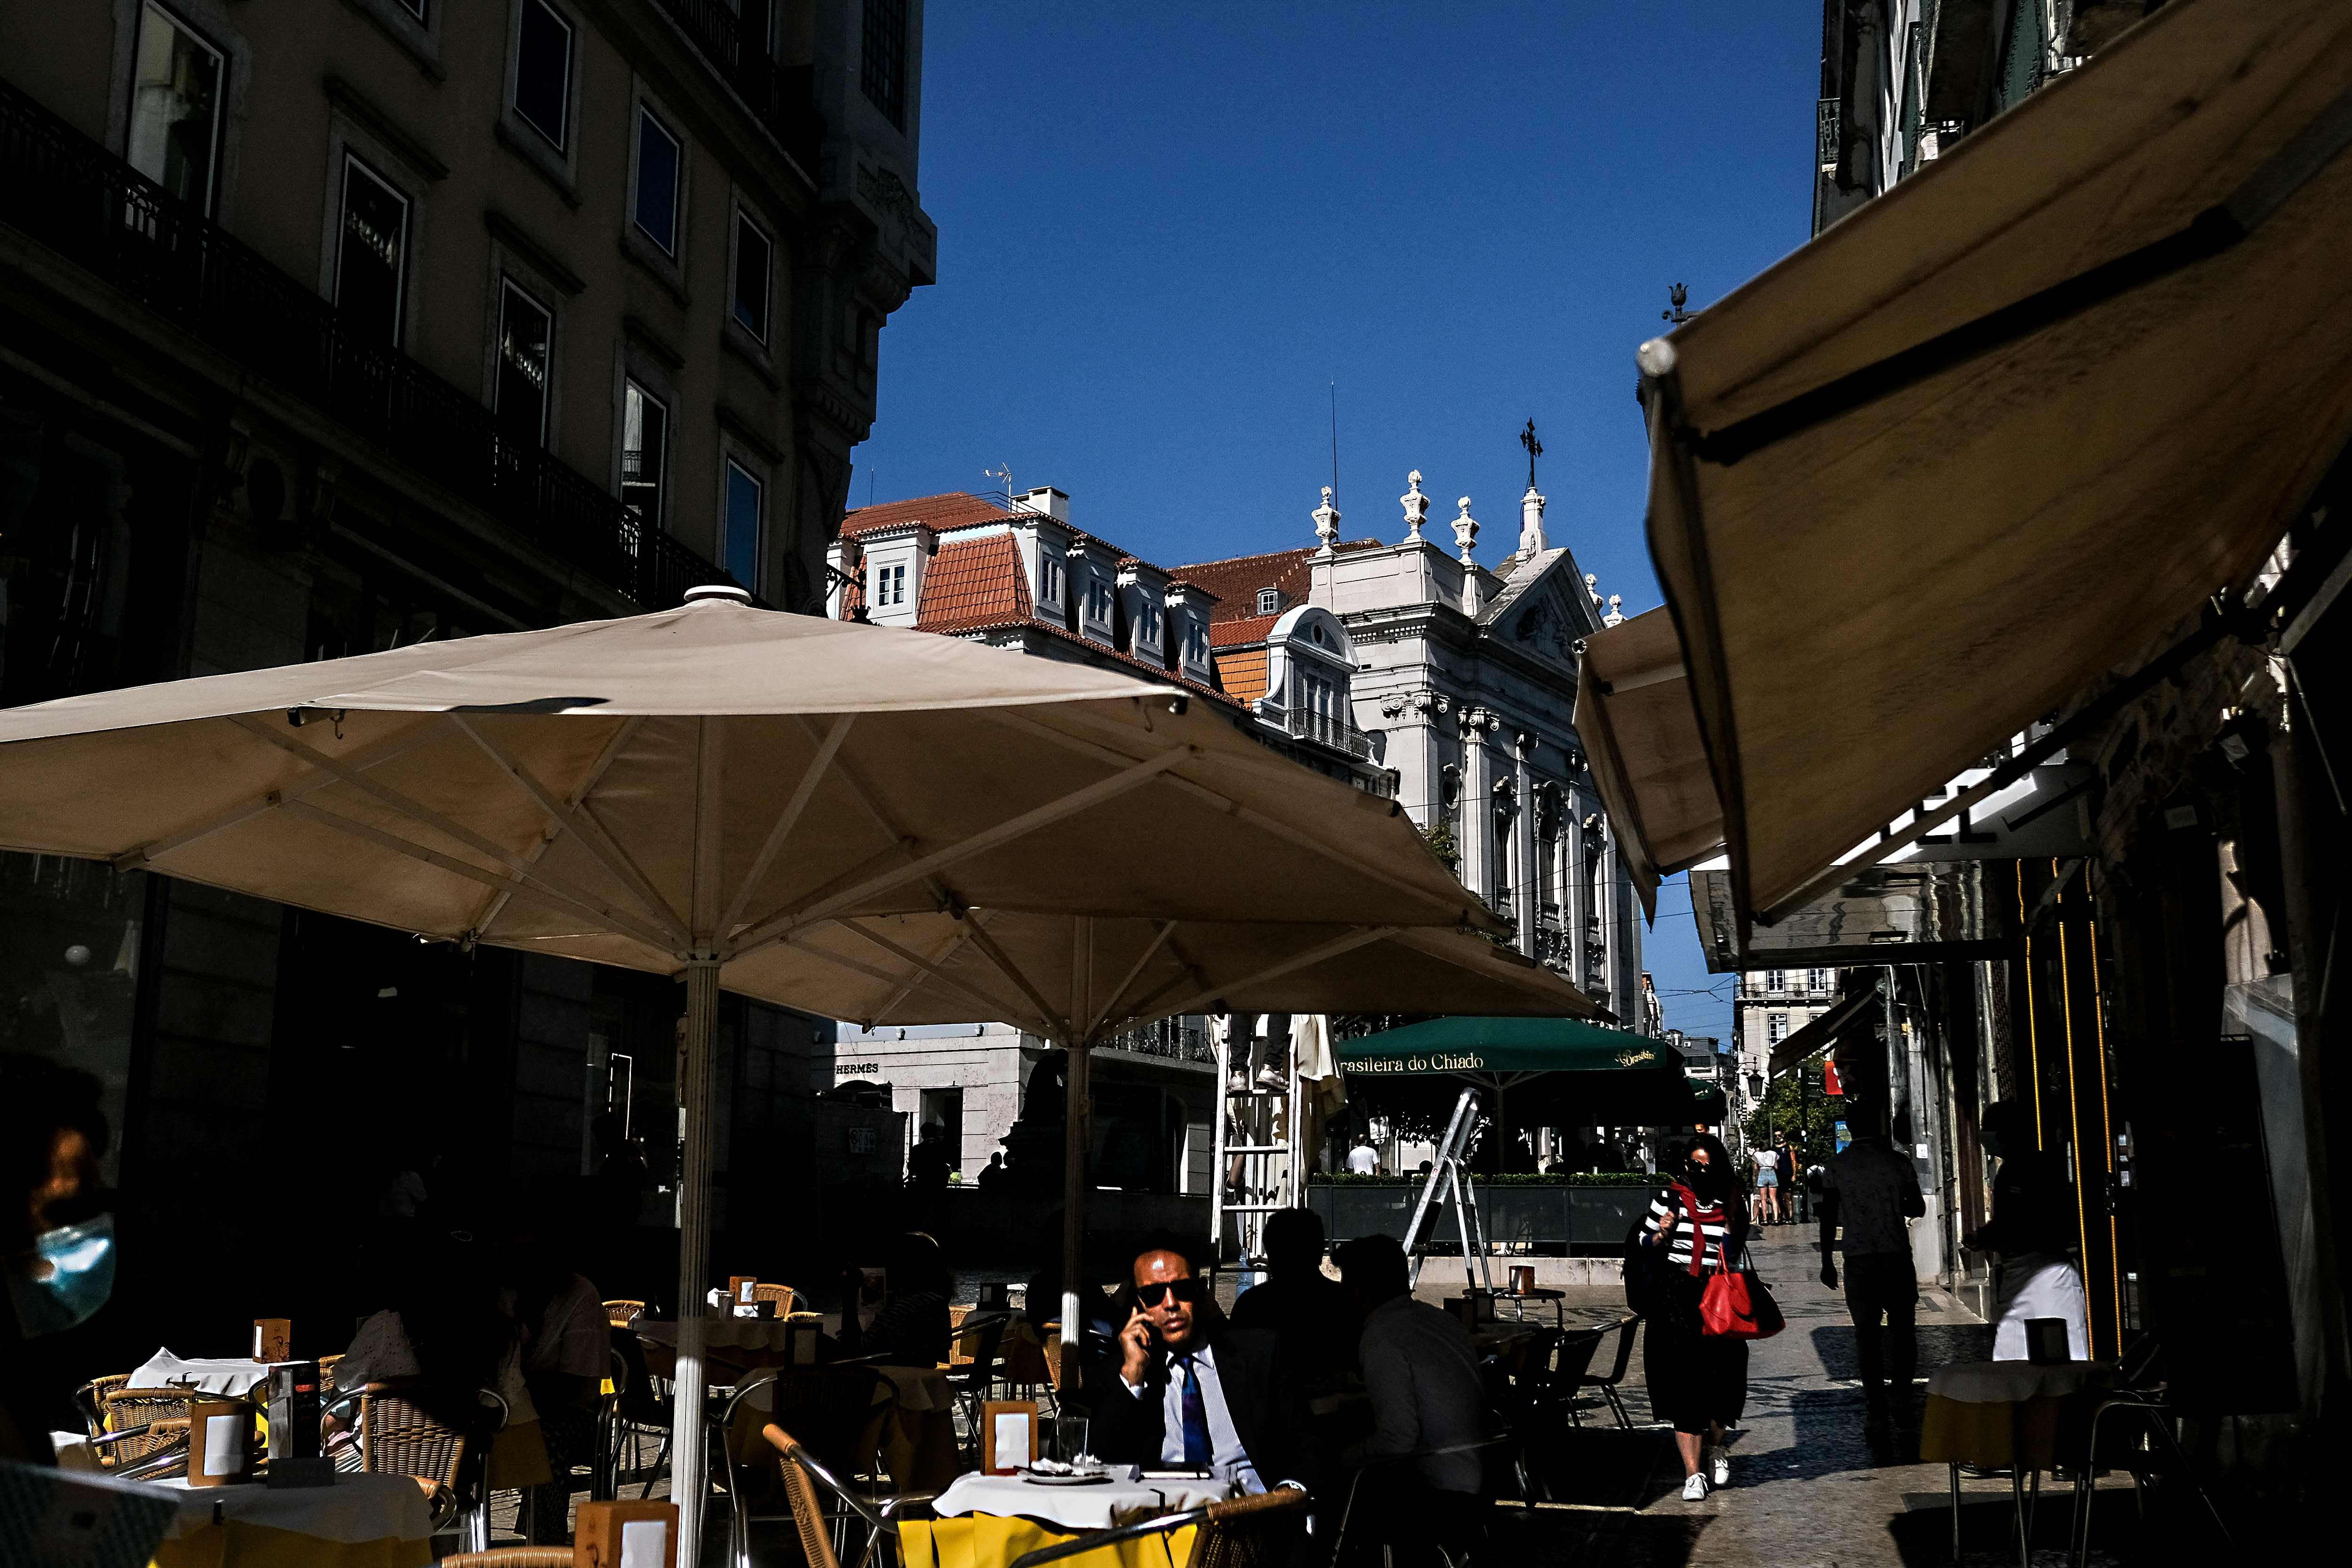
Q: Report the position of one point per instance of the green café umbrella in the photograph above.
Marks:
(1557, 1071)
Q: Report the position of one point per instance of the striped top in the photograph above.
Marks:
(1678, 1248)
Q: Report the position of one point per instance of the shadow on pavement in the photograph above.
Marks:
(1606, 1466)
(1940, 1344)
(2170, 1533)
(1615, 1539)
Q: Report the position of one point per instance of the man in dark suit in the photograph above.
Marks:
(1189, 1391)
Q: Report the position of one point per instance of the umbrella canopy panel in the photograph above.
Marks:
(2008, 424)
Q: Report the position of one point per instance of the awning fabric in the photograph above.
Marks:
(1542, 1071)
(1824, 1030)
(1924, 481)
(1642, 738)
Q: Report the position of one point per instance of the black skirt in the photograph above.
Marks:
(1695, 1379)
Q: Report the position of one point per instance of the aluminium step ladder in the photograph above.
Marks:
(1449, 1175)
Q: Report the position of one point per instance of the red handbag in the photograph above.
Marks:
(1735, 1304)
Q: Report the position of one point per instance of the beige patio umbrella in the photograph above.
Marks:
(851, 820)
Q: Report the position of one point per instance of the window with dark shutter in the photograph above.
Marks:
(882, 60)
(542, 84)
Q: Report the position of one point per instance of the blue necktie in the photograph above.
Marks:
(1197, 1448)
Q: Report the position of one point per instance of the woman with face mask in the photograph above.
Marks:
(56, 1242)
(1697, 1381)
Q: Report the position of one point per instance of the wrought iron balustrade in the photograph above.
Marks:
(74, 196)
(781, 98)
(1327, 730)
(1170, 1037)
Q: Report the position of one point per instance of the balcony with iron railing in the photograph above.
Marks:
(782, 98)
(74, 196)
(1172, 1039)
(1327, 730)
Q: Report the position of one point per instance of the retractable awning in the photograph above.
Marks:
(1825, 1031)
(2000, 430)
(1633, 714)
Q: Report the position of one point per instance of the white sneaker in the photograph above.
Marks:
(1722, 1468)
(1694, 1487)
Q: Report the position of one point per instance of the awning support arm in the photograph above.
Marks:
(1119, 992)
(898, 998)
(925, 966)
(1056, 1028)
(384, 750)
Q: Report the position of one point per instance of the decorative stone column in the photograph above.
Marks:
(1528, 886)
(1465, 536)
(1327, 524)
(1477, 819)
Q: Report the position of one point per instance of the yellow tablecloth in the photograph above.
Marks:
(1995, 1435)
(362, 1522)
(984, 1541)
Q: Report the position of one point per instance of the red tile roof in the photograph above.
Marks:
(1235, 582)
(973, 582)
(1237, 633)
(953, 510)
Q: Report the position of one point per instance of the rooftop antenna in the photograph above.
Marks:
(1002, 471)
(1335, 440)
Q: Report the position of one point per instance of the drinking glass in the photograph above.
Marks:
(1070, 1439)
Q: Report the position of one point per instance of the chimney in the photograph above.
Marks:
(1049, 500)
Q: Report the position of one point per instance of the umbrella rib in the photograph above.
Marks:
(788, 820)
(417, 811)
(907, 956)
(1132, 777)
(1355, 939)
(1149, 1005)
(1232, 807)
(855, 966)
(1006, 967)
(456, 866)
(962, 935)
(384, 750)
(496, 904)
(1118, 992)
(591, 832)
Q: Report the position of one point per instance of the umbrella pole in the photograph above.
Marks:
(687, 1480)
(1077, 1071)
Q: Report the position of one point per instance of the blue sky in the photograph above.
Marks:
(1165, 231)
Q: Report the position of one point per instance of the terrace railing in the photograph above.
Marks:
(78, 199)
(781, 98)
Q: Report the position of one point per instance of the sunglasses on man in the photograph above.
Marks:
(1183, 1289)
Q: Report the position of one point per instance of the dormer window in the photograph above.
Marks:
(890, 586)
(1049, 580)
(1098, 602)
(1196, 644)
(1269, 601)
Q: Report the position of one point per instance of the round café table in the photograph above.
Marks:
(987, 1521)
(2003, 1415)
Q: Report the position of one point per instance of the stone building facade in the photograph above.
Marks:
(327, 328)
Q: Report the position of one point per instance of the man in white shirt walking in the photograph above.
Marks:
(1363, 1160)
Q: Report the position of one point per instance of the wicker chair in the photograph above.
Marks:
(514, 1557)
(621, 1313)
(842, 1412)
(1244, 1532)
(781, 1295)
(399, 1437)
(89, 1400)
(327, 1373)
(152, 1422)
(803, 1474)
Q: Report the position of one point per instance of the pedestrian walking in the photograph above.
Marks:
(1872, 1192)
(1790, 1173)
(1768, 1186)
(1697, 1381)
(2033, 1232)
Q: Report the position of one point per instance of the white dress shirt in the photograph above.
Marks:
(1228, 1458)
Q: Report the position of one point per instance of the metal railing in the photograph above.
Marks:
(74, 196)
(1178, 1040)
(781, 98)
(1327, 730)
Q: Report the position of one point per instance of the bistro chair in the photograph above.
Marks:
(515, 1557)
(639, 1407)
(1572, 1361)
(327, 1372)
(1378, 1470)
(2144, 1412)
(781, 1295)
(1054, 1370)
(974, 1360)
(803, 1475)
(1241, 1533)
(399, 1437)
(623, 1313)
(89, 1400)
(841, 1411)
(1626, 1327)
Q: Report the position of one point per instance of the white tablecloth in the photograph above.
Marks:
(1074, 1508)
(733, 1333)
(231, 1375)
(2011, 1382)
(356, 1507)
